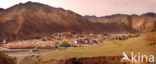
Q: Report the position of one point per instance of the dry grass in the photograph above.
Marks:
(151, 37)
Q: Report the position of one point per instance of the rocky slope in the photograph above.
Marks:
(135, 23)
(29, 20)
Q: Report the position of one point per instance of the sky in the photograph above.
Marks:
(95, 7)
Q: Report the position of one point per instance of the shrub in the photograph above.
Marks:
(65, 45)
(37, 37)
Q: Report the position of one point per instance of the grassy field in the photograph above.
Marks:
(145, 44)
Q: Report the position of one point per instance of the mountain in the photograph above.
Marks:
(29, 20)
(113, 23)
(134, 23)
(1, 9)
(149, 15)
(87, 16)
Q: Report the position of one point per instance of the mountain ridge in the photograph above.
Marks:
(140, 23)
(28, 20)
(31, 19)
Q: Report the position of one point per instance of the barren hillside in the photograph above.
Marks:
(135, 23)
(29, 20)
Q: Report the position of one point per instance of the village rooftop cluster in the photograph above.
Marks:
(65, 39)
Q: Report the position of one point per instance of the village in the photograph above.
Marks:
(64, 40)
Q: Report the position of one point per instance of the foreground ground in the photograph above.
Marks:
(5, 59)
(112, 51)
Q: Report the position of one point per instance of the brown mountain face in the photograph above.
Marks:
(29, 20)
(113, 24)
(130, 23)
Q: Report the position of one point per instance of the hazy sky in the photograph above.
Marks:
(95, 7)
